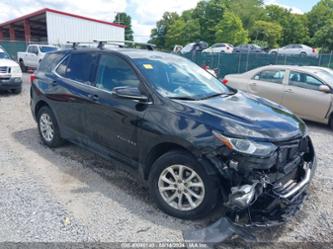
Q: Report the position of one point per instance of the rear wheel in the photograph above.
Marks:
(303, 54)
(22, 66)
(48, 128)
(181, 187)
(331, 122)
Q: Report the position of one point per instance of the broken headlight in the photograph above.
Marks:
(246, 146)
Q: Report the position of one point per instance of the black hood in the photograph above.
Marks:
(244, 115)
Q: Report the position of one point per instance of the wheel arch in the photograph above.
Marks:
(39, 105)
(165, 147)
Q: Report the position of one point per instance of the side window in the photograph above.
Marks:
(61, 69)
(80, 66)
(274, 76)
(113, 71)
(304, 80)
(31, 49)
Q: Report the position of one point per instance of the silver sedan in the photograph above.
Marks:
(306, 91)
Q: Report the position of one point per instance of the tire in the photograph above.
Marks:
(274, 53)
(209, 192)
(303, 54)
(331, 122)
(17, 90)
(45, 114)
(22, 66)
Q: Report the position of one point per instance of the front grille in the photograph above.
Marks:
(4, 70)
(289, 151)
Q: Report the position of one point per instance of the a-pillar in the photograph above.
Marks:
(27, 30)
(12, 35)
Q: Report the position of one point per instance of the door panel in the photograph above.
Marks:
(268, 84)
(303, 97)
(112, 121)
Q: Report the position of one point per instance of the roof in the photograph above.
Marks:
(45, 10)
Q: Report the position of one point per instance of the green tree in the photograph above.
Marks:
(174, 34)
(324, 37)
(267, 31)
(294, 27)
(320, 15)
(249, 11)
(209, 14)
(230, 29)
(158, 34)
(124, 19)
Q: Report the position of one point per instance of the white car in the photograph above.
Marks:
(33, 55)
(219, 48)
(295, 49)
(10, 73)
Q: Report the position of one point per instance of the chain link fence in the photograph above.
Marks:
(242, 62)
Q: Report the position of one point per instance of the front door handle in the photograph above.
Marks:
(289, 91)
(93, 97)
(54, 83)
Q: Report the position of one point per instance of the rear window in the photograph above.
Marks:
(50, 61)
(46, 49)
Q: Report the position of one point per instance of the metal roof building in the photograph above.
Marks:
(57, 27)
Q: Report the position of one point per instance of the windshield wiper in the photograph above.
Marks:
(183, 98)
(218, 94)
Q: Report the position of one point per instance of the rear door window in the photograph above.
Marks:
(304, 80)
(274, 76)
(79, 67)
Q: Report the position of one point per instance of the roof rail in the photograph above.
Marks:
(120, 44)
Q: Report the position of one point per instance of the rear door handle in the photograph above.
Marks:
(253, 84)
(289, 91)
(93, 97)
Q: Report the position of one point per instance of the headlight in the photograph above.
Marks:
(16, 70)
(246, 146)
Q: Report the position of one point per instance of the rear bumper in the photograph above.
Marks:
(10, 84)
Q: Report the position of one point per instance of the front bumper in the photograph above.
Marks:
(10, 83)
(270, 196)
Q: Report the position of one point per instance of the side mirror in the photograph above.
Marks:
(324, 89)
(130, 93)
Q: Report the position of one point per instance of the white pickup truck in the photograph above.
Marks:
(33, 55)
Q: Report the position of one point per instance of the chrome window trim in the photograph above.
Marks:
(54, 71)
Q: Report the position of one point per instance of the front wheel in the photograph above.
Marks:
(22, 66)
(48, 128)
(181, 187)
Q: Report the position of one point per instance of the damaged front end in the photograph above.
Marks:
(266, 191)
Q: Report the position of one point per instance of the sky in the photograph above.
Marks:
(144, 13)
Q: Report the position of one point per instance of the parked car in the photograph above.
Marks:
(295, 49)
(33, 55)
(177, 49)
(194, 47)
(219, 48)
(305, 91)
(248, 48)
(196, 142)
(10, 73)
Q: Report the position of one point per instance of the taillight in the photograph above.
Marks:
(205, 67)
(224, 81)
(314, 50)
(32, 78)
(228, 48)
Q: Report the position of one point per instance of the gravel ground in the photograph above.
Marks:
(70, 194)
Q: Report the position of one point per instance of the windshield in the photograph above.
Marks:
(4, 55)
(45, 49)
(177, 77)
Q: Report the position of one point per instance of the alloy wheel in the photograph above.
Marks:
(46, 127)
(181, 187)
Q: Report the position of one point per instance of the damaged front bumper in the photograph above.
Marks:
(267, 196)
(273, 195)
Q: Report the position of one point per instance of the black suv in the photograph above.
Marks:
(196, 142)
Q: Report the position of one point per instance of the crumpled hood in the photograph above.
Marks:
(245, 115)
(7, 63)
